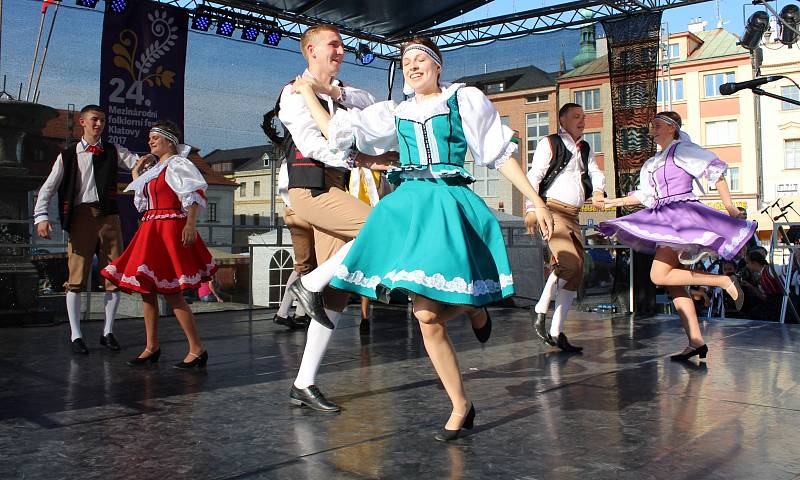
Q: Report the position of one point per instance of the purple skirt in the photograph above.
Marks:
(686, 226)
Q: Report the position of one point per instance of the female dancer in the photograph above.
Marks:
(433, 237)
(166, 255)
(675, 223)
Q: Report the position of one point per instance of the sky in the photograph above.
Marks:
(231, 83)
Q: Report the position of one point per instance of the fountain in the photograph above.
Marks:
(18, 276)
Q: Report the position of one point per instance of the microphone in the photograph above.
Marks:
(771, 206)
(786, 207)
(778, 217)
(731, 88)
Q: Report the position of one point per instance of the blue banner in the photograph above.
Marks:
(142, 68)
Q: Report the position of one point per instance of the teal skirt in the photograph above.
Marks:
(433, 238)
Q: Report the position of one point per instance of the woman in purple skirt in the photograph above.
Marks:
(675, 225)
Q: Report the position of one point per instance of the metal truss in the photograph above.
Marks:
(571, 14)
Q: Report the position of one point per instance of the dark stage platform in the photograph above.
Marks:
(620, 410)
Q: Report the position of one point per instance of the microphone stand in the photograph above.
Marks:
(759, 91)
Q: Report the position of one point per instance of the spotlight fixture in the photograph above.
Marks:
(757, 24)
(273, 37)
(225, 27)
(364, 54)
(790, 15)
(118, 6)
(201, 21)
(250, 33)
(86, 3)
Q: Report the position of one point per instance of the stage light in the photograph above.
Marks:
(86, 3)
(250, 33)
(201, 21)
(364, 54)
(273, 37)
(757, 24)
(790, 15)
(225, 28)
(118, 6)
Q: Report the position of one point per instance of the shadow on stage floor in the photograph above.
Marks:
(619, 410)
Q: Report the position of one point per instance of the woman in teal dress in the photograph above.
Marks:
(433, 238)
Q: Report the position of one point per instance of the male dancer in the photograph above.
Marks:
(317, 179)
(84, 176)
(565, 172)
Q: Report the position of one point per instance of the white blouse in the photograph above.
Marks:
(183, 178)
(694, 159)
(373, 129)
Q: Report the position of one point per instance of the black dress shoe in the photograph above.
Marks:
(483, 333)
(446, 435)
(541, 330)
(312, 398)
(700, 351)
(110, 341)
(364, 327)
(199, 361)
(312, 303)
(152, 358)
(563, 344)
(287, 322)
(78, 346)
(301, 321)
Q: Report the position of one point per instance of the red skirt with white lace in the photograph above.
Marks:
(156, 260)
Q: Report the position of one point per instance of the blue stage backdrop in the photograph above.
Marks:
(141, 80)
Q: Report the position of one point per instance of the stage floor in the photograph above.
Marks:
(619, 410)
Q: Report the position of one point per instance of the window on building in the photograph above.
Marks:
(790, 92)
(537, 125)
(542, 97)
(256, 188)
(650, 55)
(243, 189)
(632, 93)
(211, 212)
(265, 159)
(676, 90)
(714, 80)
(673, 51)
(486, 182)
(494, 88)
(242, 219)
(588, 99)
(792, 153)
(723, 132)
(256, 219)
(594, 141)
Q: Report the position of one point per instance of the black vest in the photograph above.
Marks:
(105, 178)
(558, 161)
(306, 172)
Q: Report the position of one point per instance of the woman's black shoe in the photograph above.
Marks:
(199, 361)
(563, 343)
(701, 351)
(152, 358)
(483, 333)
(446, 435)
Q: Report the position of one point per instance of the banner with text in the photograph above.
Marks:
(142, 67)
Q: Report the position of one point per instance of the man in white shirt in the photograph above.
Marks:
(565, 172)
(84, 177)
(316, 188)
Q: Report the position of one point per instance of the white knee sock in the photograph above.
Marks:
(74, 314)
(111, 304)
(288, 298)
(317, 340)
(320, 277)
(550, 287)
(564, 300)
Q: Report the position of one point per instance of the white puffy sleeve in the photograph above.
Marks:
(699, 162)
(372, 129)
(645, 192)
(356, 98)
(186, 181)
(488, 139)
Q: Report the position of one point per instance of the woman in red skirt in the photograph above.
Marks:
(166, 256)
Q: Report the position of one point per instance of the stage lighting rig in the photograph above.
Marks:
(201, 21)
(364, 54)
(790, 15)
(250, 33)
(273, 37)
(86, 3)
(757, 24)
(118, 6)
(225, 27)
